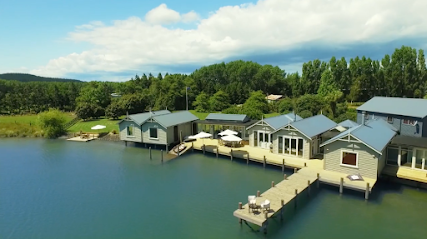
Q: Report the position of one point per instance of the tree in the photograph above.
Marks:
(286, 105)
(312, 103)
(114, 110)
(256, 105)
(85, 110)
(354, 91)
(305, 114)
(133, 103)
(233, 110)
(52, 122)
(219, 101)
(202, 103)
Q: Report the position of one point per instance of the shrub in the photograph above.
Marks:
(52, 122)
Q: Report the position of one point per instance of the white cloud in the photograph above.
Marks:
(267, 26)
(162, 15)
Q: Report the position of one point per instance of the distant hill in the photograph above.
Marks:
(28, 77)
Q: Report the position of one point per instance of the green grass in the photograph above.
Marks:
(271, 115)
(26, 119)
(201, 116)
(86, 126)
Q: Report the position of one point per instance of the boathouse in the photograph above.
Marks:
(217, 122)
(359, 150)
(260, 133)
(302, 138)
(158, 127)
(407, 152)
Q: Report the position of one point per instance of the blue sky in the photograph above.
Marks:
(114, 40)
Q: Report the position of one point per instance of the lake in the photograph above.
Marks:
(59, 189)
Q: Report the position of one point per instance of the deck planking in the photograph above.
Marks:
(285, 190)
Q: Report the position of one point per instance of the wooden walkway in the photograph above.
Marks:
(279, 195)
(406, 173)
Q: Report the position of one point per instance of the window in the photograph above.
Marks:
(153, 133)
(348, 159)
(130, 130)
(409, 122)
(390, 119)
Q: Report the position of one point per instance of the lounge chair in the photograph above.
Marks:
(265, 205)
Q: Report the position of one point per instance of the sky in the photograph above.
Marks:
(113, 40)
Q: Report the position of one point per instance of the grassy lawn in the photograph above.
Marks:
(271, 115)
(86, 126)
(25, 119)
(201, 116)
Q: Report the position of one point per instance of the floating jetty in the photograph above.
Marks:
(279, 195)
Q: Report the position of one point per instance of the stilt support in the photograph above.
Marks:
(341, 185)
(149, 149)
(161, 152)
(367, 191)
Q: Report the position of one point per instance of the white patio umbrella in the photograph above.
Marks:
(228, 132)
(99, 127)
(200, 135)
(231, 138)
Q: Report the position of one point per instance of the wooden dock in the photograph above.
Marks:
(279, 195)
(79, 139)
(406, 173)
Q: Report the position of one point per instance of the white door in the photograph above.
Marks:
(263, 139)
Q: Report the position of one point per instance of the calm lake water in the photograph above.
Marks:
(58, 189)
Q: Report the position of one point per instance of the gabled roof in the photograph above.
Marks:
(396, 106)
(142, 117)
(176, 118)
(227, 117)
(274, 97)
(375, 134)
(279, 121)
(314, 125)
(348, 124)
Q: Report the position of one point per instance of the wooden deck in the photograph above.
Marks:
(278, 195)
(78, 139)
(406, 173)
(259, 155)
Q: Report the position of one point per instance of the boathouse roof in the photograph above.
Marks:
(396, 106)
(176, 118)
(228, 117)
(375, 134)
(348, 124)
(314, 125)
(142, 117)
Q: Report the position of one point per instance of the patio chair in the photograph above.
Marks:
(252, 203)
(265, 205)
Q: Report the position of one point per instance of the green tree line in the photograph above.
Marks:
(237, 86)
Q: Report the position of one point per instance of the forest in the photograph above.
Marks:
(233, 87)
(28, 77)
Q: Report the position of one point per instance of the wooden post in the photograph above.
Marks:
(296, 195)
(308, 187)
(285, 176)
(161, 152)
(305, 164)
(367, 191)
(266, 214)
(318, 180)
(247, 159)
(231, 154)
(149, 149)
(264, 161)
(240, 207)
(203, 148)
(192, 146)
(257, 193)
(283, 165)
(281, 209)
(295, 170)
(341, 185)
(126, 143)
(217, 149)
(272, 184)
(180, 136)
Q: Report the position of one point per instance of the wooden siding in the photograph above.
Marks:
(186, 129)
(161, 133)
(292, 133)
(136, 131)
(257, 128)
(404, 129)
(368, 162)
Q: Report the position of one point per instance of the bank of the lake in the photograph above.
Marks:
(60, 189)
